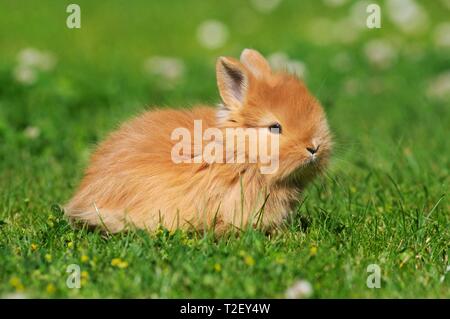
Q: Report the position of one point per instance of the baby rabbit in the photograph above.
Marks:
(134, 180)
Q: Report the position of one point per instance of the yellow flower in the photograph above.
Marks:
(48, 257)
(217, 267)
(70, 245)
(50, 288)
(280, 260)
(16, 283)
(249, 260)
(187, 242)
(84, 259)
(160, 231)
(34, 247)
(117, 262)
(84, 277)
(313, 251)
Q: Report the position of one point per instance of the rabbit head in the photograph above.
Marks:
(254, 96)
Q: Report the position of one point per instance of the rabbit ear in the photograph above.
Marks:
(232, 80)
(255, 62)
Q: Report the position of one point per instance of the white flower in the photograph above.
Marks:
(29, 62)
(32, 132)
(28, 57)
(415, 52)
(281, 61)
(278, 60)
(407, 15)
(212, 34)
(168, 68)
(334, 3)
(299, 290)
(25, 75)
(439, 87)
(380, 53)
(265, 6)
(441, 35)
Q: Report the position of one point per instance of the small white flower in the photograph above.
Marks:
(439, 87)
(407, 15)
(319, 30)
(41, 60)
(299, 290)
(32, 132)
(47, 61)
(212, 34)
(278, 60)
(447, 270)
(281, 61)
(25, 75)
(168, 68)
(441, 35)
(265, 6)
(380, 53)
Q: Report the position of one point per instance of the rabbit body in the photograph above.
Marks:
(133, 180)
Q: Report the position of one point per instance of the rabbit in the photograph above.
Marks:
(133, 181)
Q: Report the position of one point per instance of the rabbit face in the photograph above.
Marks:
(255, 97)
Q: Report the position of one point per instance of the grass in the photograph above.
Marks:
(383, 201)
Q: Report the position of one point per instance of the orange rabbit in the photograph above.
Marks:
(133, 180)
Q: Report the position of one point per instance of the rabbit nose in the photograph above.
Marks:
(312, 149)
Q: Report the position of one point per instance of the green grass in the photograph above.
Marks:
(383, 201)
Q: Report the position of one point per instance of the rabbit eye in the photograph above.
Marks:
(275, 128)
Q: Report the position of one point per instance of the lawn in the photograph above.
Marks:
(384, 199)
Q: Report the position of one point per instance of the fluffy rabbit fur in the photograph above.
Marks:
(132, 180)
